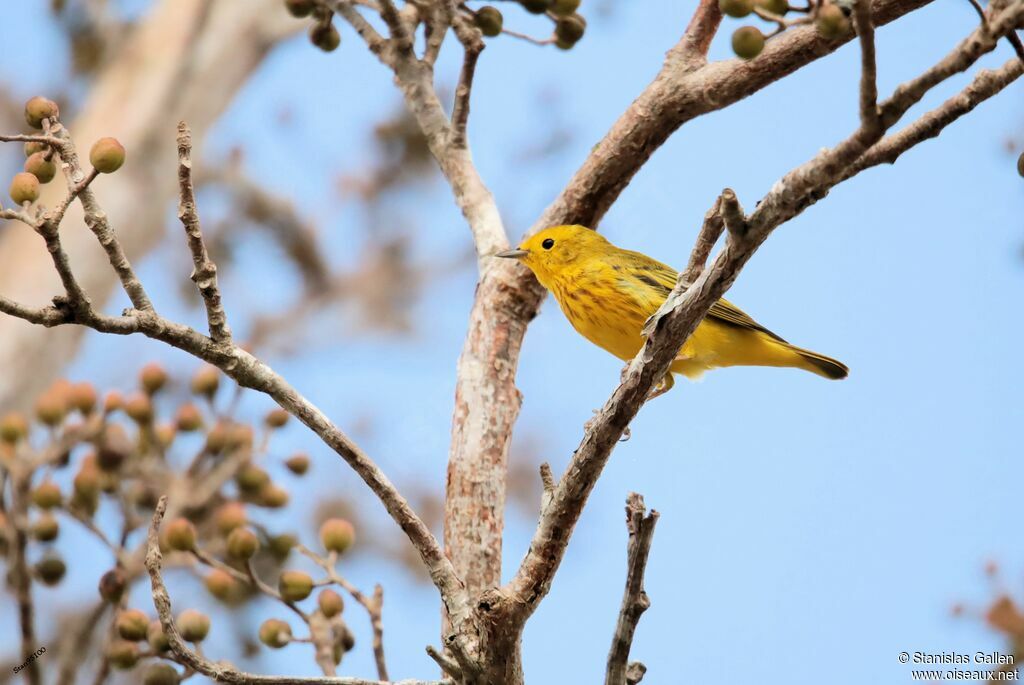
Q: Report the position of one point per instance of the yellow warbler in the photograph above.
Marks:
(608, 293)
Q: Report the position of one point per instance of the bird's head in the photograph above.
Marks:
(550, 251)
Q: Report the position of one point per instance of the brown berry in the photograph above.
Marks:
(112, 585)
(33, 147)
(24, 188)
(276, 418)
(564, 8)
(87, 481)
(297, 464)
(243, 543)
(295, 586)
(165, 434)
(114, 401)
(39, 108)
(193, 625)
(161, 673)
(337, 535)
(107, 155)
(348, 640)
(206, 381)
(273, 496)
(51, 407)
(736, 8)
(536, 6)
(299, 8)
(229, 516)
(489, 20)
(181, 535)
(139, 408)
(239, 436)
(152, 378)
(82, 397)
(275, 633)
(132, 624)
(46, 528)
(50, 570)
(325, 37)
(123, 654)
(43, 169)
(1020, 164)
(330, 603)
(251, 478)
(188, 418)
(46, 495)
(776, 7)
(281, 545)
(220, 584)
(13, 427)
(747, 42)
(569, 30)
(156, 637)
(831, 22)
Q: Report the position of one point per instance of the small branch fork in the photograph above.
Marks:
(222, 672)
(373, 604)
(204, 273)
(634, 600)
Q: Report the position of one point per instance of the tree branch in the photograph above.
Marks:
(97, 221)
(696, 41)
(710, 232)
(634, 599)
(460, 110)
(204, 273)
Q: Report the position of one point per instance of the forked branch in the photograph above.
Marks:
(635, 601)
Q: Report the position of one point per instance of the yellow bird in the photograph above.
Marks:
(608, 293)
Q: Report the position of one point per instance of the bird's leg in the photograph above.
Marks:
(663, 386)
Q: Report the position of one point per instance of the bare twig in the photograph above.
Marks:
(733, 217)
(634, 600)
(20, 577)
(710, 232)
(373, 605)
(460, 111)
(986, 84)
(696, 40)
(869, 115)
(204, 272)
(97, 221)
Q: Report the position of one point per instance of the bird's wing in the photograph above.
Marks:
(662, 278)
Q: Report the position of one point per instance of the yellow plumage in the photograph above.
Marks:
(608, 293)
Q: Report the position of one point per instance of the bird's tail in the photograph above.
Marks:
(826, 367)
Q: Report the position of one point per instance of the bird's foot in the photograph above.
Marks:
(662, 387)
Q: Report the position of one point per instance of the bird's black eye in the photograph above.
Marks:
(548, 243)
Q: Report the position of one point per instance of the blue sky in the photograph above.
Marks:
(809, 530)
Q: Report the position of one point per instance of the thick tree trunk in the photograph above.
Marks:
(186, 60)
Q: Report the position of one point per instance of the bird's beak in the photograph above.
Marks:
(512, 254)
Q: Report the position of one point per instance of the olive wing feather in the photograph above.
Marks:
(662, 278)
